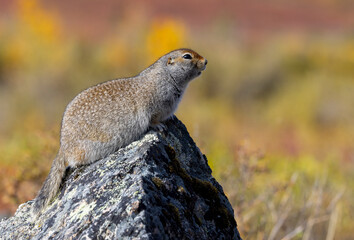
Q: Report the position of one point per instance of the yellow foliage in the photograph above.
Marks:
(39, 21)
(290, 96)
(114, 52)
(164, 36)
(346, 54)
(15, 53)
(32, 39)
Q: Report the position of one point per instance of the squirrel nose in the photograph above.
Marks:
(206, 62)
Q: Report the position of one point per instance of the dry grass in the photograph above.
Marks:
(274, 119)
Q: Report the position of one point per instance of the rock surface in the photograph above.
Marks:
(159, 187)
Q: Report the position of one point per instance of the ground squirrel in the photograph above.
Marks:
(110, 115)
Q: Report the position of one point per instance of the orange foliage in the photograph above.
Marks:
(164, 36)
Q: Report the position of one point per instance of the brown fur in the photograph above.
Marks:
(110, 115)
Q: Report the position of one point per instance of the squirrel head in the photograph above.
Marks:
(184, 65)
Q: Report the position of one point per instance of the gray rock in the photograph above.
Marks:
(159, 187)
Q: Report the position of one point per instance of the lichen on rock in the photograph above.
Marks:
(159, 187)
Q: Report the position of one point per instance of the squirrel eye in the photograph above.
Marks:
(187, 56)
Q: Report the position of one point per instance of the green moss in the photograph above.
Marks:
(201, 187)
(180, 189)
(220, 215)
(157, 181)
(175, 165)
(173, 210)
(205, 189)
(198, 220)
(217, 212)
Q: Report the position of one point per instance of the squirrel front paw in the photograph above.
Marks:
(160, 127)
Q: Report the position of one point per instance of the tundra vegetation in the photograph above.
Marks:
(275, 119)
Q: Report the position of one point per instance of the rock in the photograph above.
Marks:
(159, 187)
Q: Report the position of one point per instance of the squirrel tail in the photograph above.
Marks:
(51, 184)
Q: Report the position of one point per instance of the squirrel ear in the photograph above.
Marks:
(170, 61)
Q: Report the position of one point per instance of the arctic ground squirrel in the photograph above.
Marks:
(112, 114)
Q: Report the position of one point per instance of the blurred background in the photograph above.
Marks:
(273, 112)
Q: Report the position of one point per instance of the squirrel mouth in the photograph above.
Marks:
(201, 68)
